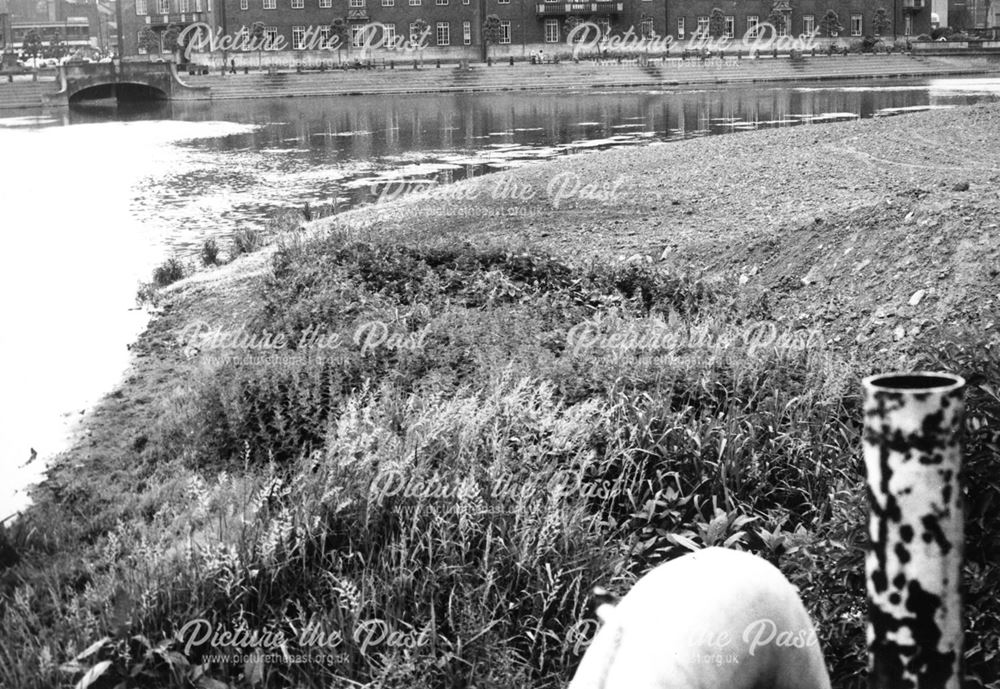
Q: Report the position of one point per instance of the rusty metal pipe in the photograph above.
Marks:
(912, 452)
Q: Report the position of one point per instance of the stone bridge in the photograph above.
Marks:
(126, 81)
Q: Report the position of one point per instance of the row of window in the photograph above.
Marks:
(303, 37)
(47, 33)
(180, 6)
(753, 22)
(326, 4)
(355, 4)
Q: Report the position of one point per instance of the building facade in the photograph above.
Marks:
(142, 18)
(454, 28)
(973, 14)
(76, 24)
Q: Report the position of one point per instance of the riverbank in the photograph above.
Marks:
(522, 76)
(607, 314)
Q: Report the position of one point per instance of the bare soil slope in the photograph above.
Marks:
(841, 223)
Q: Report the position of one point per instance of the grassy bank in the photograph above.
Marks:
(432, 432)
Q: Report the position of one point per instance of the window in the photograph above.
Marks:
(855, 24)
(466, 33)
(142, 42)
(753, 24)
(389, 35)
(551, 30)
(440, 2)
(163, 6)
(730, 27)
(270, 4)
(504, 2)
(680, 27)
(325, 4)
(197, 6)
(465, 2)
(414, 3)
(605, 25)
(414, 33)
(646, 28)
(443, 33)
(270, 35)
(808, 24)
(504, 31)
(388, 3)
(185, 6)
(298, 4)
(141, 8)
(298, 37)
(357, 3)
(782, 26)
(702, 29)
(357, 35)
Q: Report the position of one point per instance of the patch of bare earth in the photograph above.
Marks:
(876, 231)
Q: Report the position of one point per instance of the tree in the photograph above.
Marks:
(172, 41)
(778, 20)
(881, 23)
(31, 44)
(420, 28)
(338, 31)
(257, 34)
(57, 47)
(150, 42)
(491, 33)
(830, 24)
(571, 22)
(716, 23)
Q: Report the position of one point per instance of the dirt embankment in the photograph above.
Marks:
(874, 230)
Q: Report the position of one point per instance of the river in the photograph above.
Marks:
(93, 199)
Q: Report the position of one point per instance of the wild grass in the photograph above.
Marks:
(246, 240)
(512, 441)
(209, 253)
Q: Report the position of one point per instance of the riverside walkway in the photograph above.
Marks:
(547, 77)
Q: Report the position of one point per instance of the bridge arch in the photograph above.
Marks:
(124, 81)
(123, 91)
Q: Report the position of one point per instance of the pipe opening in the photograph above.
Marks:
(919, 382)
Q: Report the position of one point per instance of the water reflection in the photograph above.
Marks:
(335, 151)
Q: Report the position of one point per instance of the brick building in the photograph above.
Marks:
(140, 16)
(454, 27)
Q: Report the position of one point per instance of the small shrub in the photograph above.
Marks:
(210, 253)
(169, 272)
(246, 240)
(870, 43)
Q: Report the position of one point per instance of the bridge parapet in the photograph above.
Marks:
(144, 80)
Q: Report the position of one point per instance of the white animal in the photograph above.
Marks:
(713, 619)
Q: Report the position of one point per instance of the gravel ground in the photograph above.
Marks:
(877, 231)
